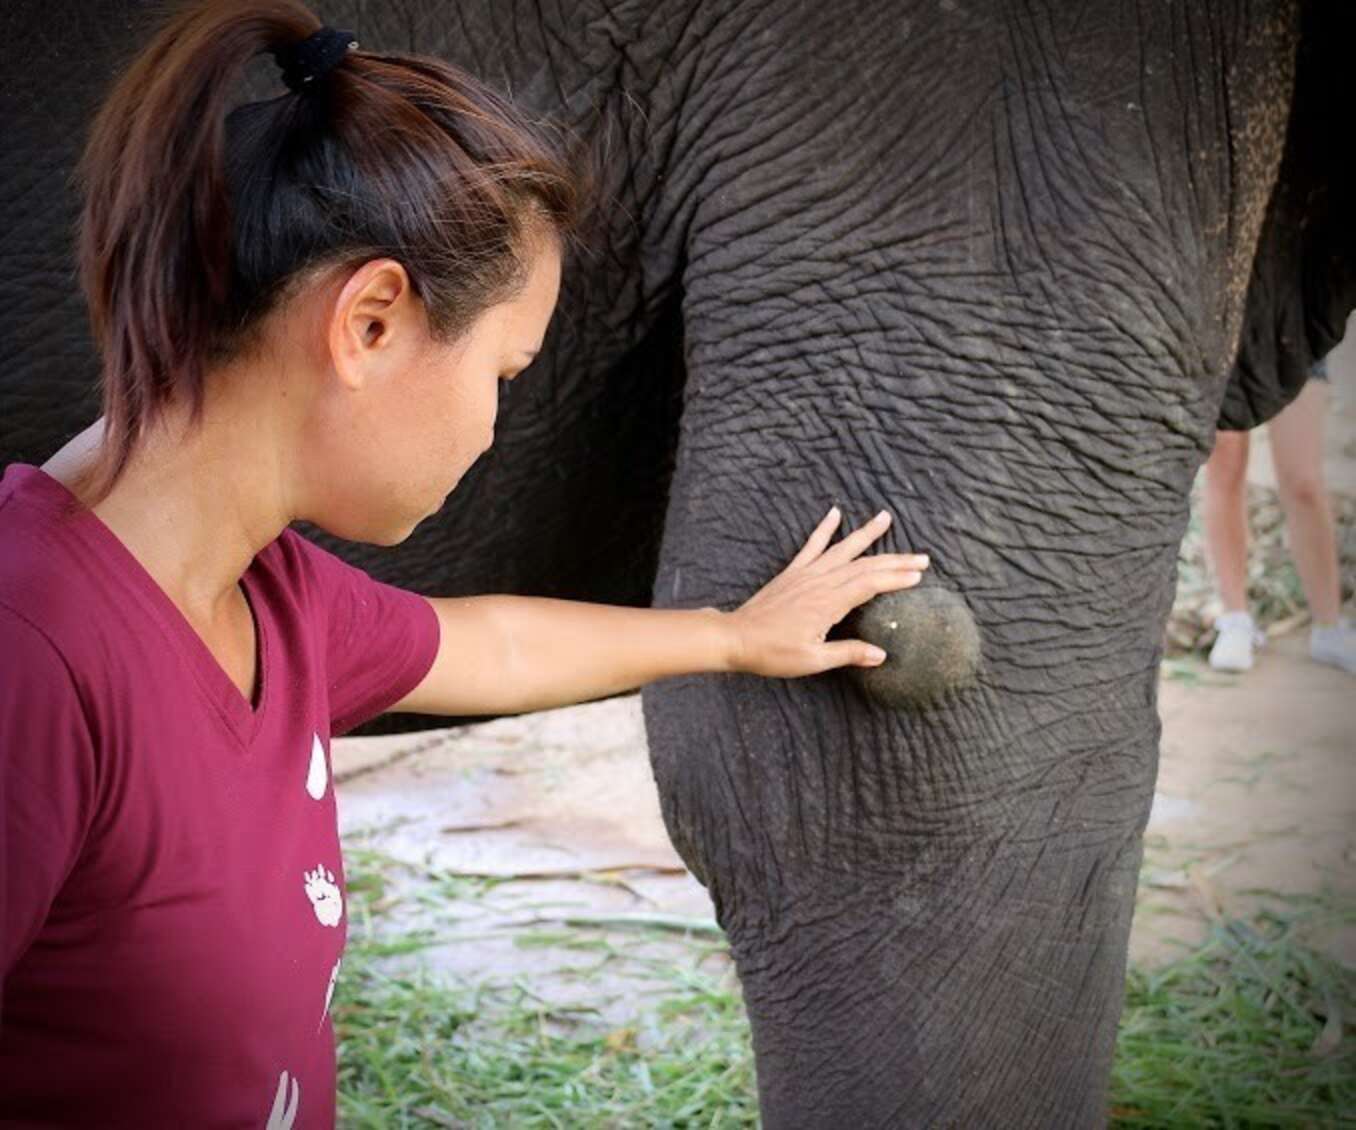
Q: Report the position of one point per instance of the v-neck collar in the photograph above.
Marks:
(243, 718)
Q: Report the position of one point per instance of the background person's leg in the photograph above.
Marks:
(1297, 453)
(1226, 547)
(1226, 518)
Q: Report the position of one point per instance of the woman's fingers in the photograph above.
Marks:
(905, 573)
(918, 561)
(849, 653)
(909, 567)
(816, 549)
(855, 542)
(864, 586)
(819, 539)
(861, 588)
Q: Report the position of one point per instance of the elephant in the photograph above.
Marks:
(1000, 266)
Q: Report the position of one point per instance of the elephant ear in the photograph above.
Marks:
(1303, 282)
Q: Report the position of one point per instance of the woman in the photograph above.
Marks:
(1297, 452)
(305, 308)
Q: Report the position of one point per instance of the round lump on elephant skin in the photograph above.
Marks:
(931, 640)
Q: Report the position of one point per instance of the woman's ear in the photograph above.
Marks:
(374, 322)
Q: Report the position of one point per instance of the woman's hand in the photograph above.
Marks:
(780, 631)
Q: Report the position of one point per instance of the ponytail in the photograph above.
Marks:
(195, 219)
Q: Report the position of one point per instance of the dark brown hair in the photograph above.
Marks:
(196, 220)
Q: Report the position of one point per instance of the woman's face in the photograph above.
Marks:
(464, 377)
(416, 413)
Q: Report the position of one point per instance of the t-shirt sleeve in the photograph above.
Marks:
(48, 778)
(381, 640)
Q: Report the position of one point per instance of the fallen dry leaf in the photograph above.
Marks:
(1331, 1037)
(621, 1040)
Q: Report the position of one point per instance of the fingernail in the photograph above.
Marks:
(832, 511)
(882, 514)
(924, 561)
(876, 654)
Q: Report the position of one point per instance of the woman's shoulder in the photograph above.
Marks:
(42, 630)
(53, 585)
(38, 562)
(35, 671)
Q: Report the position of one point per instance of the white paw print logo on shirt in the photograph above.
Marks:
(284, 1112)
(326, 900)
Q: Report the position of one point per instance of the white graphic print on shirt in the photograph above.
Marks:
(325, 898)
(317, 776)
(329, 992)
(284, 1112)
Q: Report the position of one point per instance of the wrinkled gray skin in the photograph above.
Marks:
(982, 263)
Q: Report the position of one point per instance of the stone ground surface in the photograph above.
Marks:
(1256, 801)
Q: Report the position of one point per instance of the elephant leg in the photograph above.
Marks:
(996, 295)
(928, 908)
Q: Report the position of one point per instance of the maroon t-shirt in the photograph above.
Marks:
(171, 891)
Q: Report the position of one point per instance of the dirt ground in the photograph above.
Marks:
(1256, 803)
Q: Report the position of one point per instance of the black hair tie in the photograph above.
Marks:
(312, 58)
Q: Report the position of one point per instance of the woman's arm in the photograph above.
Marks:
(514, 654)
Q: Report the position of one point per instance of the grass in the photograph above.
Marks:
(1247, 1030)
(417, 1050)
(416, 1053)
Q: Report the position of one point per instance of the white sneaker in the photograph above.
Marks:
(1236, 637)
(1334, 644)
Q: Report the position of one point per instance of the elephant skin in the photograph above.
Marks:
(986, 264)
